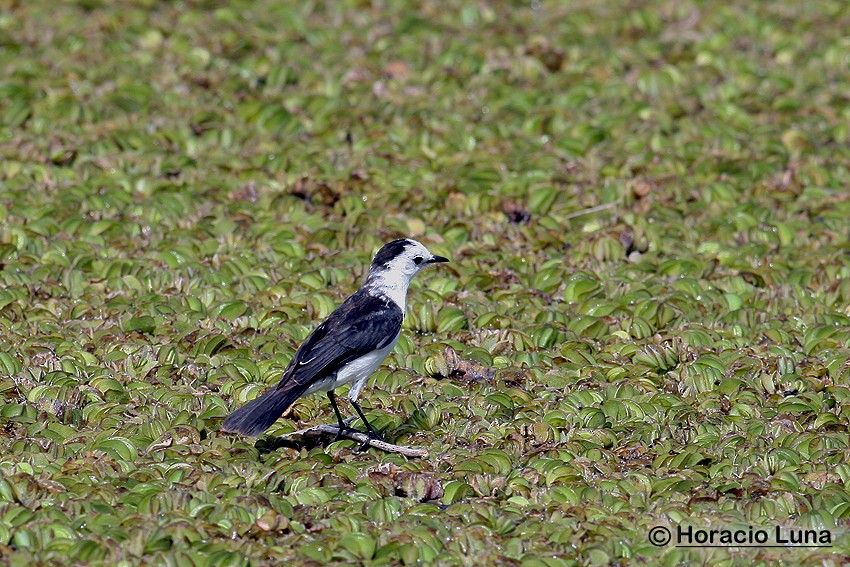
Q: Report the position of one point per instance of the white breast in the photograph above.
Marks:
(358, 370)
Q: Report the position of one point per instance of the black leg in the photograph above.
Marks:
(373, 433)
(342, 425)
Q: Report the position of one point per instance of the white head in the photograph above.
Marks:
(395, 264)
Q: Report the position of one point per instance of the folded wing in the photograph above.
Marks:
(362, 324)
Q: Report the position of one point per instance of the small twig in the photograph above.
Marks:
(318, 430)
(595, 209)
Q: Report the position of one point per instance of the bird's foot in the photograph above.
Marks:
(344, 426)
(372, 432)
(372, 435)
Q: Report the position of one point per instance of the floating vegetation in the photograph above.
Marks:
(645, 320)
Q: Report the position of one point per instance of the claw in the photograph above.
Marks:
(372, 432)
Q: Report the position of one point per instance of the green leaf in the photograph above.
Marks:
(144, 324)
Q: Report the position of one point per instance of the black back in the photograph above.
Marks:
(362, 324)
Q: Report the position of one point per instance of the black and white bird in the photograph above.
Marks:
(349, 346)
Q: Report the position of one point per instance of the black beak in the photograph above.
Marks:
(435, 259)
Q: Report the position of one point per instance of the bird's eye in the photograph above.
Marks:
(417, 260)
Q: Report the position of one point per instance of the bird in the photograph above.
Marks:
(348, 346)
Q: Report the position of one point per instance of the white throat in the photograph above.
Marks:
(390, 283)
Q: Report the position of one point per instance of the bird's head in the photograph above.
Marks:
(403, 257)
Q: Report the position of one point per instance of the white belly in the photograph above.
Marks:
(357, 371)
(364, 366)
(360, 369)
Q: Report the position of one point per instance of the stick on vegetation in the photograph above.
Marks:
(318, 430)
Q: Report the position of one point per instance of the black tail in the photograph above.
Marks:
(258, 415)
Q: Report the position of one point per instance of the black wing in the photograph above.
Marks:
(362, 323)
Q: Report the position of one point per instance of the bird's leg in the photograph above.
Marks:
(373, 433)
(342, 424)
